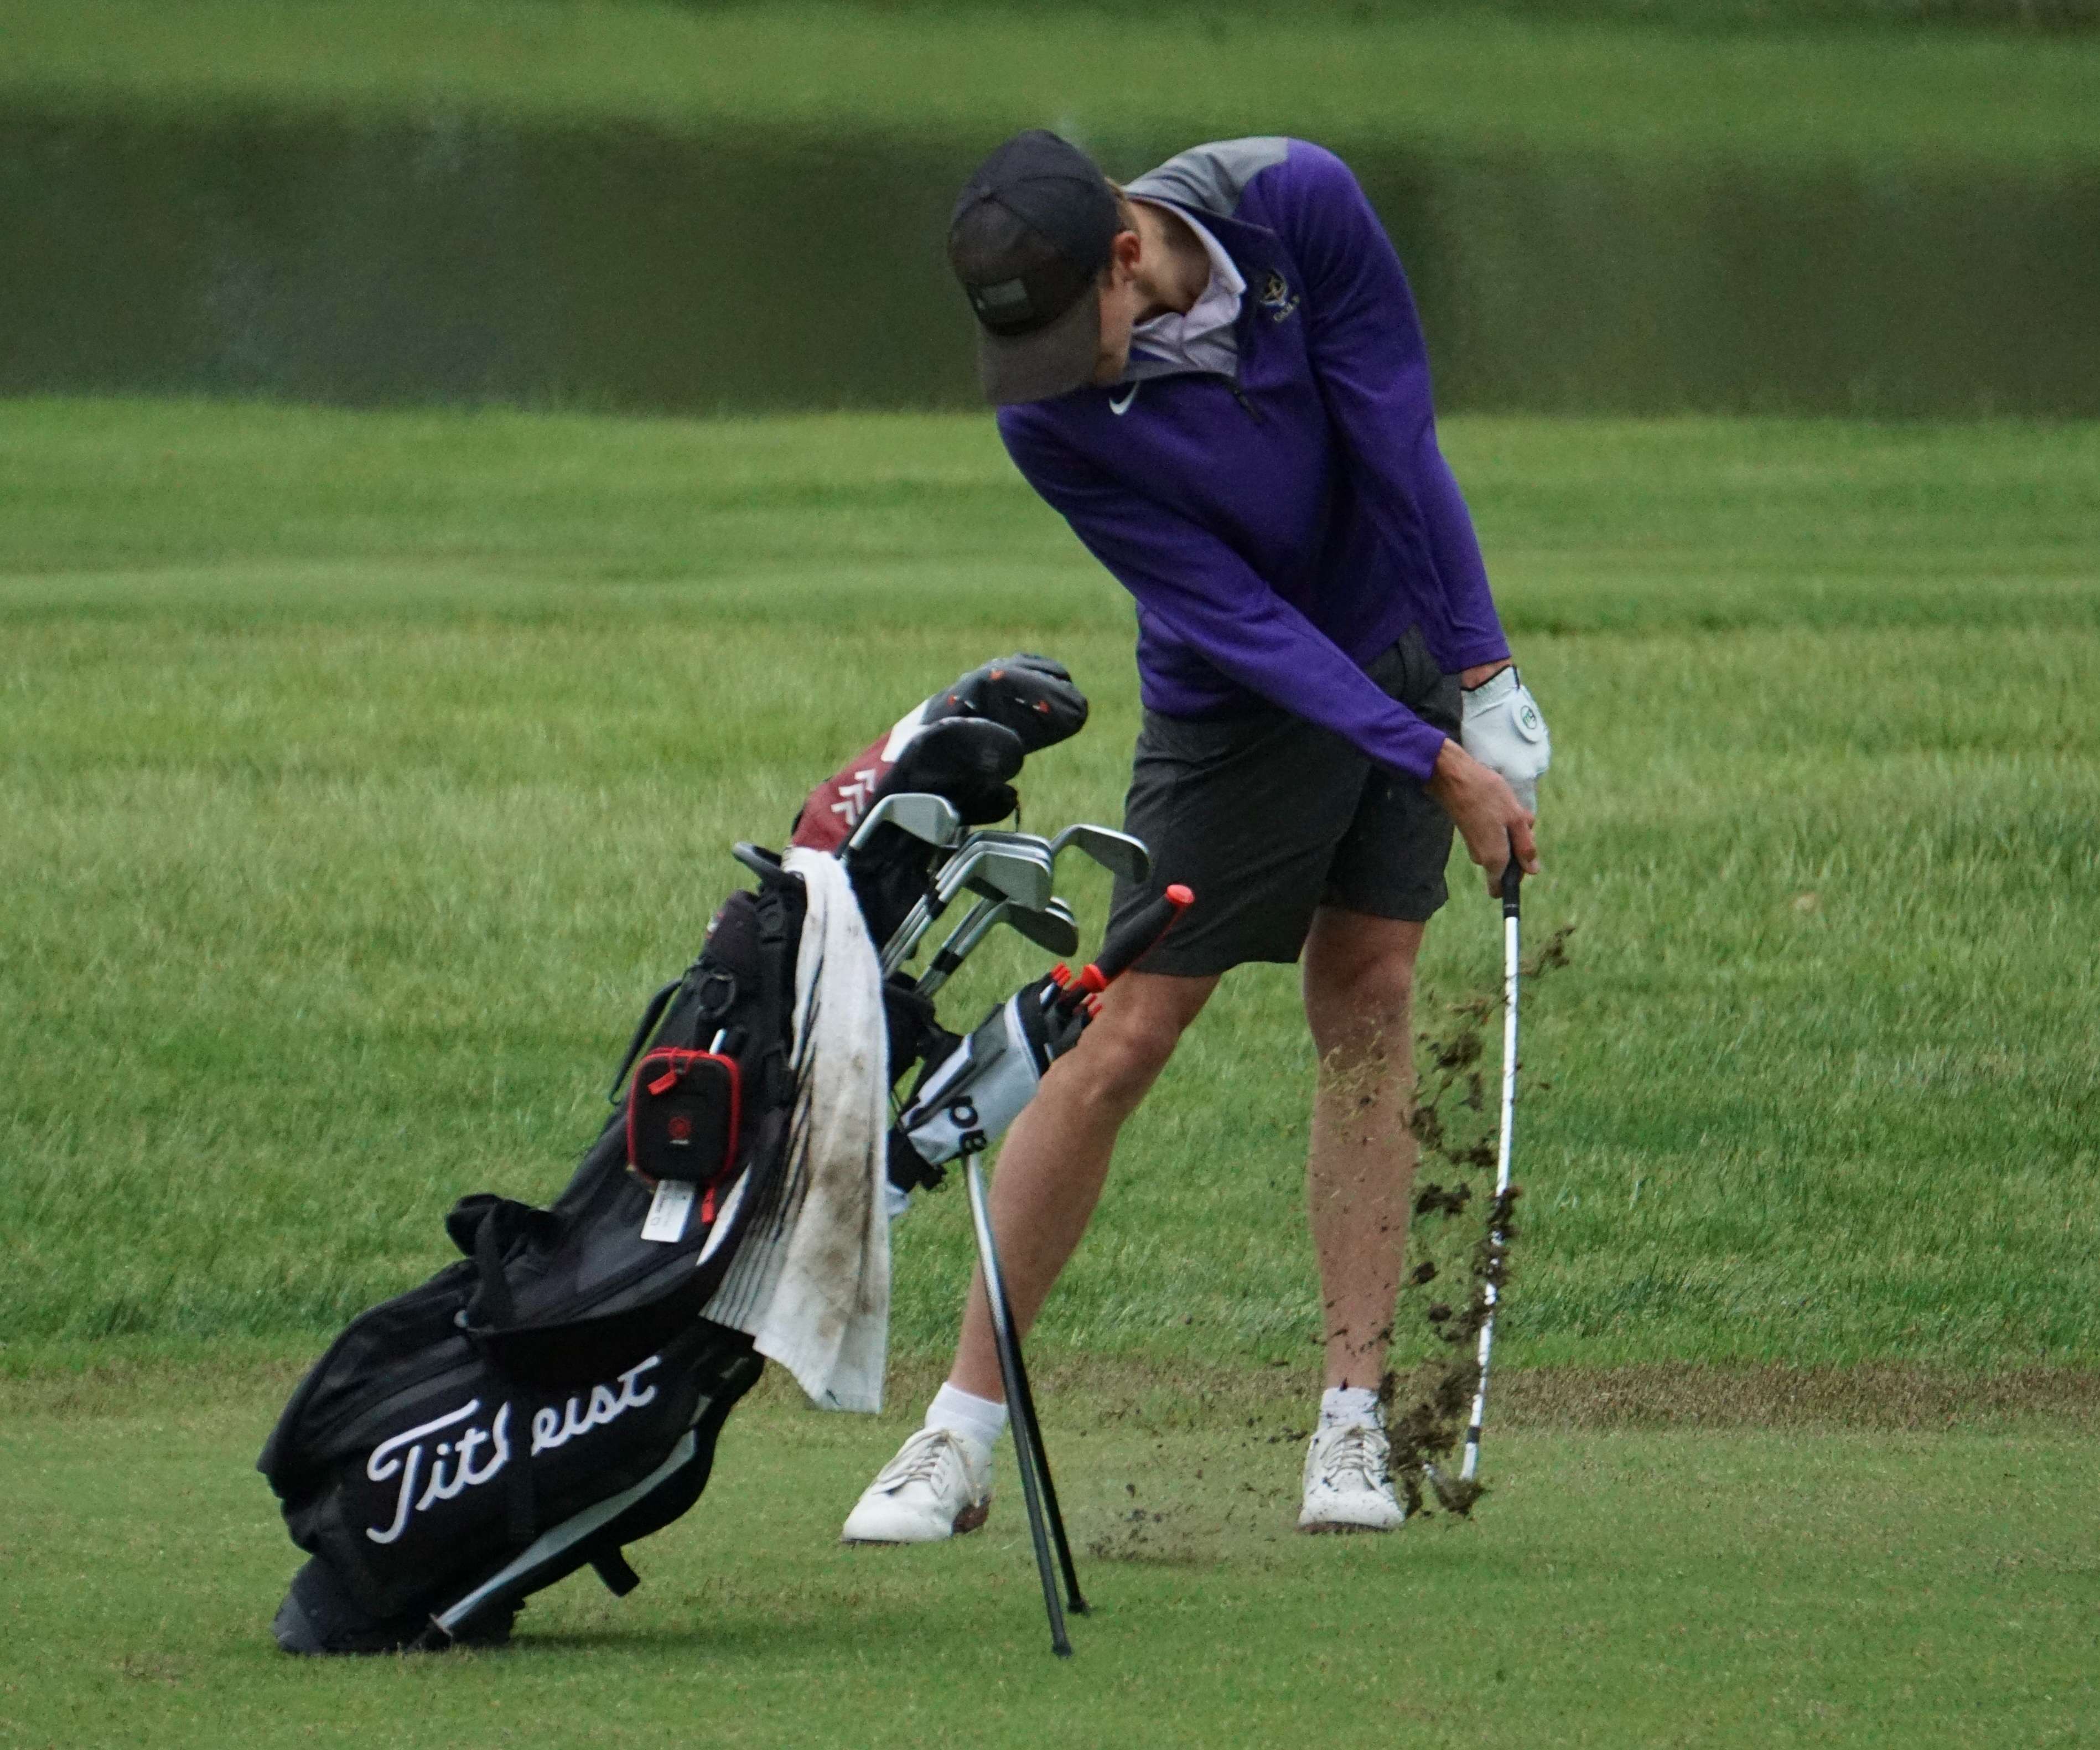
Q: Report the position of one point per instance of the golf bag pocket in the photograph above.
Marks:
(683, 1115)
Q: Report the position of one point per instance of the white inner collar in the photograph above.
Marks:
(1200, 338)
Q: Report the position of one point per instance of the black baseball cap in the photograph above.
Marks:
(1029, 239)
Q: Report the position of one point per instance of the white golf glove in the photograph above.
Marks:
(1503, 729)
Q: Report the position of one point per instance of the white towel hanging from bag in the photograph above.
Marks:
(814, 1290)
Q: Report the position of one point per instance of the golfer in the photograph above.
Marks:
(1217, 376)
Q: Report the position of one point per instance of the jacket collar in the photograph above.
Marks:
(1257, 252)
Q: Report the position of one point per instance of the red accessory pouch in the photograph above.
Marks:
(683, 1115)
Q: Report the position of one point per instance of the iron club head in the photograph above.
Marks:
(1053, 928)
(925, 816)
(999, 868)
(1009, 873)
(1122, 855)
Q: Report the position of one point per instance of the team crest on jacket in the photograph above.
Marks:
(1277, 298)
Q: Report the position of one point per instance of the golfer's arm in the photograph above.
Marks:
(1267, 647)
(1205, 594)
(1478, 641)
(1366, 346)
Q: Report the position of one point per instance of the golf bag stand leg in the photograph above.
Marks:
(1037, 1490)
(1512, 883)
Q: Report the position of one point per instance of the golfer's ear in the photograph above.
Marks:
(1124, 251)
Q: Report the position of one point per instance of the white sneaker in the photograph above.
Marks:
(1346, 1486)
(939, 1485)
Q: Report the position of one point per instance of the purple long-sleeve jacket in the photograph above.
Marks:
(1279, 531)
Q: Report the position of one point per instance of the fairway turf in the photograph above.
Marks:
(1813, 1587)
(362, 773)
(1792, 87)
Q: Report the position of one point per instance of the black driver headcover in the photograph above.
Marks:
(1032, 696)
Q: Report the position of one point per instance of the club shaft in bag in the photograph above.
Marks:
(1512, 882)
(1036, 1488)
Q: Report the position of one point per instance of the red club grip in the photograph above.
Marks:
(1135, 937)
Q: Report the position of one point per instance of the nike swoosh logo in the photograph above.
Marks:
(1121, 407)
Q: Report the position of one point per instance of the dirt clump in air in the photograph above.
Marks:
(1426, 1404)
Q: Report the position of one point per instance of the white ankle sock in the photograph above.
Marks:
(982, 1420)
(1350, 1406)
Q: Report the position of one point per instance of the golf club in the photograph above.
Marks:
(920, 813)
(957, 948)
(1512, 881)
(905, 940)
(1019, 872)
(1053, 928)
(1046, 1523)
(1123, 856)
(995, 866)
(1038, 1492)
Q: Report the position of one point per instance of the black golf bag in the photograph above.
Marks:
(557, 1393)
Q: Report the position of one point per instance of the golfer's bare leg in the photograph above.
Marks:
(1057, 1155)
(1359, 978)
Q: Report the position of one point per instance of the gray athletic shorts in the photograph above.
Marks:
(1267, 817)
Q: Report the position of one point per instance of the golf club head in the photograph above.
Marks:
(956, 873)
(933, 820)
(1123, 856)
(1053, 928)
(1006, 838)
(1006, 872)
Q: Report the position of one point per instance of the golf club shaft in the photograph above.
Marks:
(1512, 882)
(959, 946)
(949, 877)
(905, 940)
(1026, 1442)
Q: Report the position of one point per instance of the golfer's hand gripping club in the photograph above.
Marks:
(1486, 812)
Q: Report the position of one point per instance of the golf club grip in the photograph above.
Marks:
(1512, 881)
(1138, 933)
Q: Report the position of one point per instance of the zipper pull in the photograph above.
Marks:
(1247, 407)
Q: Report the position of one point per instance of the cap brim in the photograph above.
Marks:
(1051, 361)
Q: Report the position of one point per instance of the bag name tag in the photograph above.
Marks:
(669, 1210)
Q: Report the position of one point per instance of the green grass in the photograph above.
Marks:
(1441, 78)
(1819, 1587)
(362, 773)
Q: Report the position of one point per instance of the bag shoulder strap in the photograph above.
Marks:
(780, 910)
(642, 1029)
